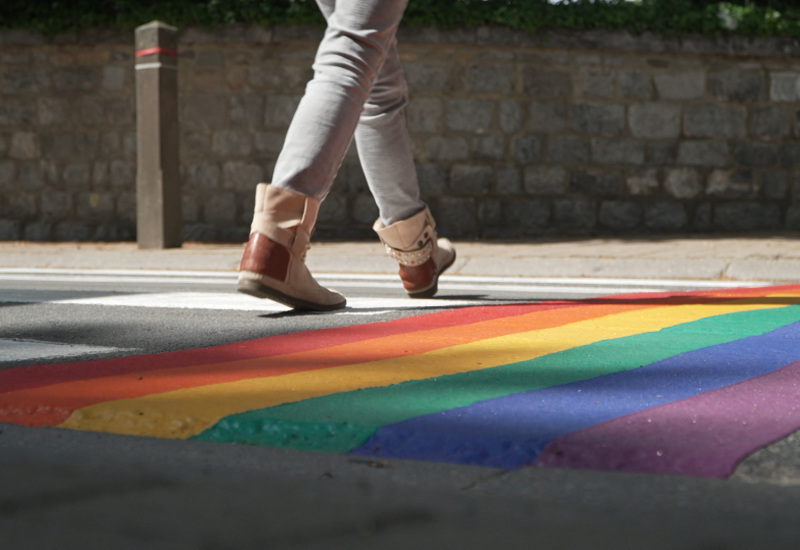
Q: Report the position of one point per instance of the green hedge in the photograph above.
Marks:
(741, 17)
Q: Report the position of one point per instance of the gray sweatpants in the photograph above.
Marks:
(358, 89)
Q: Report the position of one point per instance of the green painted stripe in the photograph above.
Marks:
(339, 422)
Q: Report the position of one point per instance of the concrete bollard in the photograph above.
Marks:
(158, 192)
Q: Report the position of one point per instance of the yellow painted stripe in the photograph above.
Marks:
(187, 412)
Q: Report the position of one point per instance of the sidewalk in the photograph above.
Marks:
(745, 258)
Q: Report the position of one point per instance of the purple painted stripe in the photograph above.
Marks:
(705, 435)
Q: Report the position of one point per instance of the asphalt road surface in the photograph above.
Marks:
(68, 489)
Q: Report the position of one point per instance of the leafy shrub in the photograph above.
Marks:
(708, 17)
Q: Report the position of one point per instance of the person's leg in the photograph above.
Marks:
(350, 56)
(357, 41)
(405, 225)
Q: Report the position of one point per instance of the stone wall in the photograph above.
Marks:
(515, 135)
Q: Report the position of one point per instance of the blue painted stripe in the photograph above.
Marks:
(510, 431)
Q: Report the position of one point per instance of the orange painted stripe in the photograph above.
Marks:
(53, 403)
(33, 376)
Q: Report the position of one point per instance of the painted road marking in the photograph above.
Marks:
(23, 350)
(444, 380)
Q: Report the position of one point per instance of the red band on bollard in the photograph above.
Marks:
(154, 51)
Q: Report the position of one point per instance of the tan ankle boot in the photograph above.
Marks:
(422, 257)
(273, 262)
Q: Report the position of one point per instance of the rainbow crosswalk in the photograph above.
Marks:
(685, 383)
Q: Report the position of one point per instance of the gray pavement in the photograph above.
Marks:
(743, 258)
(66, 489)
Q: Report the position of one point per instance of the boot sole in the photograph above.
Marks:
(431, 291)
(258, 290)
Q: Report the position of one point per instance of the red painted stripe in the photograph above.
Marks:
(156, 51)
(48, 374)
(21, 378)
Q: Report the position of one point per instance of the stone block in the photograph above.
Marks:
(731, 184)
(776, 185)
(246, 110)
(76, 79)
(203, 175)
(126, 207)
(121, 111)
(423, 77)
(769, 123)
(703, 217)
(204, 111)
(114, 78)
(619, 215)
(52, 111)
(122, 173)
(490, 213)
(634, 85)
(756, 154)
(279, 110)
(575, 215)
(24, 146)
(714, 121)
(793, 218)
(508, 181)
(425, 115)
(661, 152)
(546, 180)
(527, 150)
(747, 216)
(17, 113)
(738, 85)
(596, 81)
(92, 110)
(29, 80)
(31, 176)
(683, 183)
(643, 182)
(10, 230)
(95, 206)
(510, 116)
(110, 144)
(790, 154)
(8, 170)
(446, 149)
(365, 211)
(617, 151)
(489, 148)
(703, 153)
(526, 217)
(666, 216)
(231, 143)
(471, 180)
(37, 231)
(568, 150)
(490, 78)
(432, 179)
(77, 175)
(469, 115)
(602, 120)
(548, 117)
(269, 143)
(457, 217)
(654, 120)
(241, 175)
(597, 184)
(680, 86)
(783, 87)
(190, 210)
(22, 206)
(544, 83)
(56, 205)
(220, 209)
